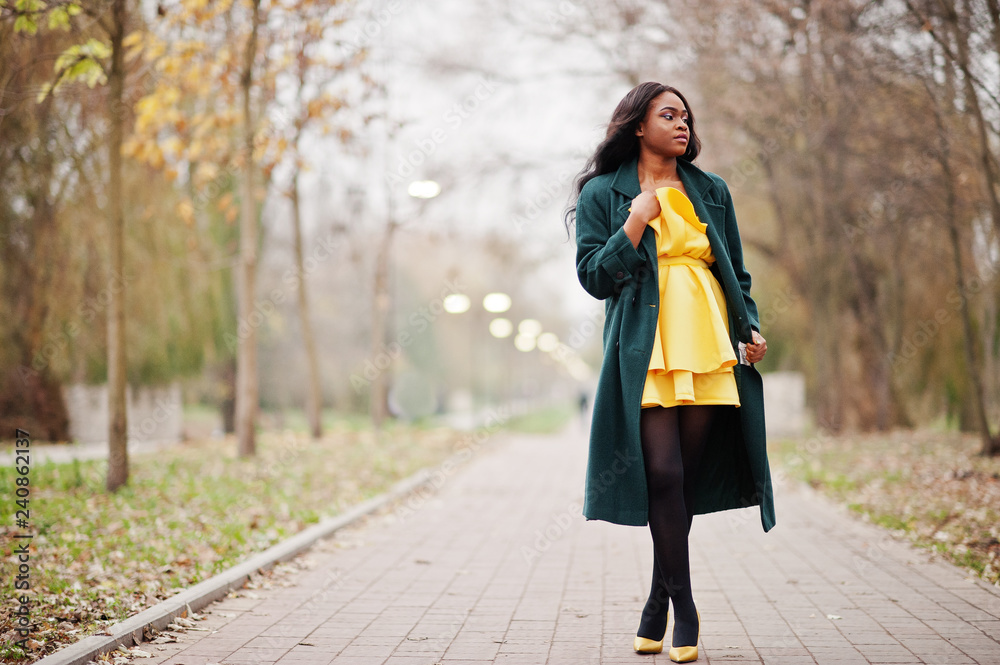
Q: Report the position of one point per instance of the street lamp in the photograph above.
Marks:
(496, 303)
(524, 342)
(529, 328)
(501, 327)
(456, 303)
(423, 189)
(547, 342)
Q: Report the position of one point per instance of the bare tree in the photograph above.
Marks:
(246, 363)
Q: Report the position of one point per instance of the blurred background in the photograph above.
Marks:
(221, 214)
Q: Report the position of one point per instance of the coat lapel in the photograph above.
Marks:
(697, 184)
(626, 183)
(714, 215)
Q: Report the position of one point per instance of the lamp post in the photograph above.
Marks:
(500, 328)
(421, 189)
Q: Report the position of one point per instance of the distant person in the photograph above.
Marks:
(657, 240)
(584, 403)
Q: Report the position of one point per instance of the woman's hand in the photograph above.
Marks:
(646, 206)
(756, 351)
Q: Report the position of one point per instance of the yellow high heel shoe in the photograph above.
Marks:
(646, 645)
(686, 654)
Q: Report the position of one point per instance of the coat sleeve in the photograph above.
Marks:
(605, 260)
(736, 254)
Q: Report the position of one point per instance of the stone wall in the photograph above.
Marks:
(785, 403)
(155, 413)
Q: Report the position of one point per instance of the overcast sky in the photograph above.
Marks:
(501, 115)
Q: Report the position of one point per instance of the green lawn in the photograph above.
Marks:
(546, 420)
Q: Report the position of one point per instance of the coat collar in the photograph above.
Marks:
(626, 180)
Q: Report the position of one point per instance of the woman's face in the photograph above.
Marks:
(665, 130)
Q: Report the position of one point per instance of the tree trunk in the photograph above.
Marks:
(117, 417)
(246, 355)
(957, 25)
(380, 357)
(991, 445)
(990, 178)
(34, 400)
(975, 379)
(314, 403)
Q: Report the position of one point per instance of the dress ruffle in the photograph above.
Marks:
(692, 357)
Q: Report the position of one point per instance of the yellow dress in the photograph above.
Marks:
(693, 358)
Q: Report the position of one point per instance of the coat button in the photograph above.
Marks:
(619, 275)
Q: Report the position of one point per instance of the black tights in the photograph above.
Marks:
(673, 442)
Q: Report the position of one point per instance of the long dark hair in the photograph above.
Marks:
(620, 144)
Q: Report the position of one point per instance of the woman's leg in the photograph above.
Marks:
(673, 442)
(654, 614)
(653, 622)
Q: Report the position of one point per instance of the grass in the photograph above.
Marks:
(547, 420)
(187, 513)
(928, 485)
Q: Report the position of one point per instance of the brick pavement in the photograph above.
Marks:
(498, 566)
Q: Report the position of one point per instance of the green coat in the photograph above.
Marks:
(734, 471)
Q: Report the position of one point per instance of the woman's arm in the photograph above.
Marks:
(605, 261)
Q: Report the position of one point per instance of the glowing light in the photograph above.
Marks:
(456, 303)
(547, 342)
(496, 302)
(423, 189)
(529, 328)
(501, 328)
(524, 343)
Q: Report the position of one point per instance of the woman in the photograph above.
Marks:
(678, 420)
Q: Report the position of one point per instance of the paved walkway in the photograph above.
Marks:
(498, 566)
